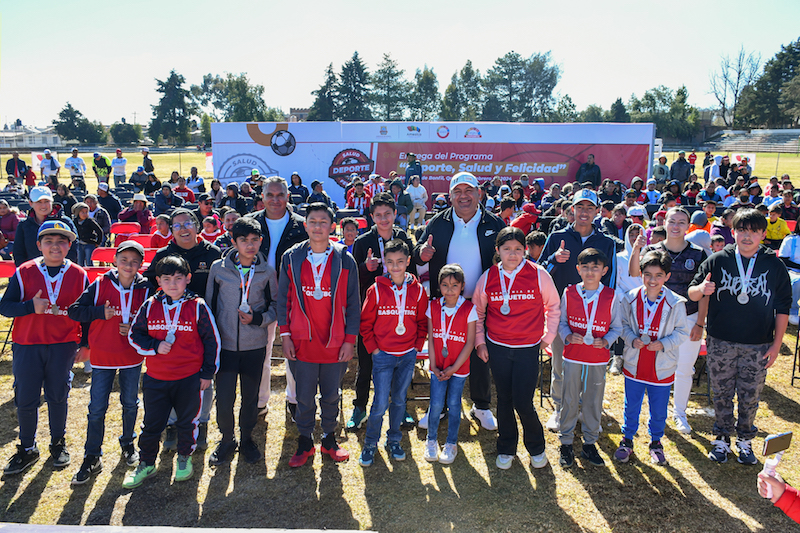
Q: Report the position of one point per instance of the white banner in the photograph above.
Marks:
(37, 157)
(740, 158)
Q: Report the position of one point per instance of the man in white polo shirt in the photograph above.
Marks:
(118, 165)
(76, 165)
(465, 234)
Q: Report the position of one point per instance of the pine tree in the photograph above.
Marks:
(352, 91)
(324, 106)
(390, 91)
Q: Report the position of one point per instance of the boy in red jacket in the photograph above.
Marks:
(108, 304)
(318, 316)
(176, 329)
(45, 341)
(394, 328)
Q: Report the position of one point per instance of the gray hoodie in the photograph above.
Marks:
(224, 292)
(672, 332)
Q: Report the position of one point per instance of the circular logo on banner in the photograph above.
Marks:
(443, 131)
(238, 167)
(282, 142)
(348, 161)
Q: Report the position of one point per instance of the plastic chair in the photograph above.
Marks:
(149, 254)
(95, 272)
(104, 255)
(792, 224)
(145, 239)
(7, 269)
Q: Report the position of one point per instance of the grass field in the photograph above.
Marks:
(690, 494)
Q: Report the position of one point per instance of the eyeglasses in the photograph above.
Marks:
(186, 225)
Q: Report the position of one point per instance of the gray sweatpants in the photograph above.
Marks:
(583, 387)
(738, 369)
(327, 377)
(557, 374)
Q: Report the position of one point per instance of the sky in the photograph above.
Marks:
(104, 57)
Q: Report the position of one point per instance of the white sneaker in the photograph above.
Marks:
(580, 417)
(616, 365)
(431, 451)
(448, 454)
(794, 320)
(539, 461)
(485, 417)
(423, 422)
(681, 424)
(263, 411)
(504, 461)
(554, 422)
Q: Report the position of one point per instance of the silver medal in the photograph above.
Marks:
(244, 308)
(505, 308)
(588, 339)
(318, 294)
(54, 310)
(400, 329)
(743, 298)
(645, 338)
(444, 352)
(170, 338)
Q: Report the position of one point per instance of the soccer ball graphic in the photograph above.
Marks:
(282, 143)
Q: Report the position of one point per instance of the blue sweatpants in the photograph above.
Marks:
(658, 400)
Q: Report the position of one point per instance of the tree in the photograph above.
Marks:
(790, 100)
(617, 113)
(506, 80)
(171, 117)
(72, 125)
(524, 87)
(669, 111)
(470, 86)
(390, 90)
(352, 91)
(452, 107)
(760, 103)
(205, 127)
(231, 99)
(124, 133)
(425, 101)
(592, 113)
(565, 111)
(541, 78)
(492, 109)
(733, 76)
(324, 106)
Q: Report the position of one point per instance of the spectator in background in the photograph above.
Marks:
(118, 167)
(413, 168)
(375, 184)
(234, 200)
(318, 195)
(217, 193)
(50, 169)
(173, 179)
(745, 169)
(440, 204)
(147, 163)
(246, 191)
(651, 195)
(419, 197)
(76, 165)
(725, 167)
(98, 213)
(403, 202)
(166, 201)
(755, 192)
(590, 172)
(552, 196)
(680, 169)
(487, 201)
(707, 159)
(196, 182)
(297, 188)
(709, 193)
(138, 212)
(712, 171)
(692, 159)
(109, 202)
(205, 207)
(101, 166)
(789, 253)
(16, 167)
(183, 191)
(774, 196)
(8, 227)
(777, 228)
(64, 198)
(661, 171)
(41, 202)
(789, 210)
(89, 235)
(494, 186)
(14, 187)
(359, 199)
(608, 192)
(152, 185)
(139, 179)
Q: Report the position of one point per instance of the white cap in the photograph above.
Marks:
(636, 211)
(586, 194)
(145, 149)
(46, 151)
(102, 186)
(463, 177)
(40, 193)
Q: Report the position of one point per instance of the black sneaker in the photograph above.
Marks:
(60, 454)
(91, 466)
(249, 450)
(567, 456)
(171, 439)
(202, 436)
(130, 455)
(591, 454)
(223, 453)
(292, 407)
(21, 461)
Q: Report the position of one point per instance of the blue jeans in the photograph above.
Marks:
(102, 382)
(391, 375)
(85, 254)
(657, 398)
(794, 277)
(449, 390)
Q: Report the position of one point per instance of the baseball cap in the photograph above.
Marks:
(463, 177)
(681, 152)
(585, 194)
(254, 172)
(295, 173)
(636, 211)
(145, 149)
(139, 169)
(754, 185)
(130, 245)
(202, 198)
(119, 151)
(74, 149)
(40, 193)
(139, 197)
(47, 151)
(102, 186)
(55, 227)
(96, 154)
(651, 181)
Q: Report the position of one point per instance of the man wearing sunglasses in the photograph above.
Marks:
(200, 254)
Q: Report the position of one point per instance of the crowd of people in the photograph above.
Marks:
(606, 279)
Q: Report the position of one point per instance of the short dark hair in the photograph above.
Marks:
(452, 270)
(396, 245)
(661, 231)
(182, 211)
(383, 198)
(319, 206)
(658, 258)
(761, 208)
(507, 203)
(717, 238)
(728, 213)
(244, 227)
(592, 255)
(509, 233)
(775, 207)
(171, 265)
(349, 220)
(608, 205)
(620, 208)
(535, 238)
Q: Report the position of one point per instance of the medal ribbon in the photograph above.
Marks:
(512, 276)
(745, 277)
(400, 300)
(647, 315)
(380, 247)
(594, 299)
(52, 293)
(247, 279)
(172, 325)
(125, 303)
(318, 271)
(443, 320)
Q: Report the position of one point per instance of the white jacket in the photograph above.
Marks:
(418, 195)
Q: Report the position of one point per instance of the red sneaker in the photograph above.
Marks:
(337, 454)
(305, 449)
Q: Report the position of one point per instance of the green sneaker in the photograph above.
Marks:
(357, 420)
(184, 471)
(137, 477)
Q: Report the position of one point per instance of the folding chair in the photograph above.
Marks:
(123, 229)
(545, 356)
(698, 373)
(7, 269)
(145, 239)
(95, 272)
(104, 255)
(422, 357)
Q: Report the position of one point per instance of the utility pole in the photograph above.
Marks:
(134, 117)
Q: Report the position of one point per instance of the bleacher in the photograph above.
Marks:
(775, 141)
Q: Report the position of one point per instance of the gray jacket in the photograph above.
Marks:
(673, 332)
(224, 293)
